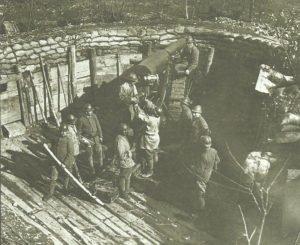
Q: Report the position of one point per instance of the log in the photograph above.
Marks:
(93, 70)
(23, 104)
(60, 81)
(82, 187)
(72, 69)
(118, 64)
(27, 96)
(37, 98)
(48, 92)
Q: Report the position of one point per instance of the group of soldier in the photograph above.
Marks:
(141, 122)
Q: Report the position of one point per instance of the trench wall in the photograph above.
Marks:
(24, 51)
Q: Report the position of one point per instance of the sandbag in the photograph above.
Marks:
(287, 137)
(291, 118)
(257, 165)
(290, 128)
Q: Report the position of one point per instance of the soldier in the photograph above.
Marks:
(150, 139)
(203, 163)
(186, 119)
(72, 130)
(199, 126)
(190, 55)
(64, 151)
(128, 94)
(90, 132)
(124, 160)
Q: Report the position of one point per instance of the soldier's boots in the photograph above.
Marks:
(51, 191)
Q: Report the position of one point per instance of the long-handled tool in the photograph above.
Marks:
(76, 181)
(37, 98)
(61, 84)
(48, 92)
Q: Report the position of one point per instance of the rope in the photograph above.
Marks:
(227, 187)
(232, 181)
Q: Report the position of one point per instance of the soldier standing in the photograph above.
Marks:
(199, 126)
(90, 132)
(129, 95)
(186, 119)
(150, 139)
(201, 166)
(72, 130)
(124, 160)
(64, 151)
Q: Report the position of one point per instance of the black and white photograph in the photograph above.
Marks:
(128, 122)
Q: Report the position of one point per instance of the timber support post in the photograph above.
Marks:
(93, 70)
(72, 70)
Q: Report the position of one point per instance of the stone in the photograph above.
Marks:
(101, 39)
(28, 52)
(111, 39)
(151, 31)
(17, 47)
(26, 46)
(60, 50)
(1, 56)
(43, 42)
(33, 56)
(103, 32)
(50, 41)
(167, 36)
(179, 29)
(131, 31)
(104, 44)
(46, 48)
(34, 44)
(134, 43)
(58, 39)
(124, 43)
(7, 50)
(37, 50)
(51, 51)
(9, 56)
(54, 46)
(114, 43)
(122, 33)
(63, 44)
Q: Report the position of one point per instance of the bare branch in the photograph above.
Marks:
(278, 174)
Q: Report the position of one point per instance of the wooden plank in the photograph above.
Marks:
(42, 216)
(9, 203)
(124, 225)
(97, 221)
(93, 70)
(72, 69)
(10, 110)
(23, 104)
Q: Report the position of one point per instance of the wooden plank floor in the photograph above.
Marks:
(71, 220)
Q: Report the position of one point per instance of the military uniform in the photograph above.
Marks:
(124, 161)
(202, 164)
(149, 140)
(199, 128)
(64, 151)
(89, 127)
(127, 92)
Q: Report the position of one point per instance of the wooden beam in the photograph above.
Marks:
(27, 96)
(60, 81)
(93, 70)
(23, 103)
(72, 70)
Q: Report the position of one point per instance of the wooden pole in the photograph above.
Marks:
(72, 70)
(81, 186)
(62, 85)
(118, 64)
(28, 79)
(58, 90)
(48, 92)
(37, 98)
(48, 86)
(93, 70)
(23, 104)
(27, 96)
